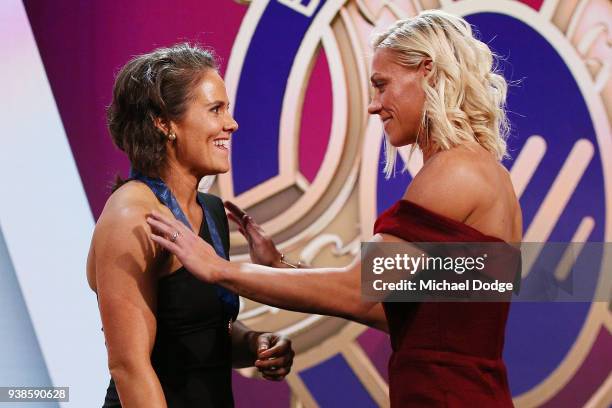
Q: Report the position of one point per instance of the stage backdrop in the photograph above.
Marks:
(306, 163)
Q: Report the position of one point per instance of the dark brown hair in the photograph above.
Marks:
(150, 87)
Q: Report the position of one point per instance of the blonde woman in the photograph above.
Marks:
(435, 88)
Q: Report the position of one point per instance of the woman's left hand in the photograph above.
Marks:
(192, 251)
(274, 356)
(261, 247)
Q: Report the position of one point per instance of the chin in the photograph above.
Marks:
(214, 170)
(223, 168)
(396, 141)
(400, 140)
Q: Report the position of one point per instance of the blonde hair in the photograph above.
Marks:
(465, 97)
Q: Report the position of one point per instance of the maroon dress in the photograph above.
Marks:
(444, 354)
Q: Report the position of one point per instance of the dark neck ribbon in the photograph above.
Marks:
(165, 196)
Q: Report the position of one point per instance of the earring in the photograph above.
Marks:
(423, 127)
(171, 136)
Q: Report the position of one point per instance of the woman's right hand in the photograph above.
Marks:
(192, 251)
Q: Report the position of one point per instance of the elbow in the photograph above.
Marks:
(350, 304)
(124, 370)
(365, 313)
(356, 310)
(379, 324)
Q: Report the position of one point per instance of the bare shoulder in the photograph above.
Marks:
(126, 208)
(122, 226)
(452, 183)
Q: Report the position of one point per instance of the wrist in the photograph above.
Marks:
(220, 271)
(278, 264)
(251, 341)
(283, 262)
(273, 260)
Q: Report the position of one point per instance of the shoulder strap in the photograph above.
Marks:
(217, 212)
(219, 230)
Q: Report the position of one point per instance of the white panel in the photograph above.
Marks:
(45, 217)
(22, 361)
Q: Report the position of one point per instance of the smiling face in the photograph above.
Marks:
(203, 133)
(398, 97)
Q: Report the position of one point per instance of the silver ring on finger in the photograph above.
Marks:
(174, 236)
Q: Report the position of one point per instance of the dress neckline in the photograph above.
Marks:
(448, 220)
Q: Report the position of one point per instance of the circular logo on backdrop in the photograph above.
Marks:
(306, 163)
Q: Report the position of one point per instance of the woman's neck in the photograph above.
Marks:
(428, 152)
(184, 185)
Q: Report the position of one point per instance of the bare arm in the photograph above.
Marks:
(263, 251)
(331, 291)
(126, 288)
(244, 345)
(375, 318)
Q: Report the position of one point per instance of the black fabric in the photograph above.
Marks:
(192, 352)
(217, 211)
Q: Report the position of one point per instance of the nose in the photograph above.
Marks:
(231, 126)
(374, 107)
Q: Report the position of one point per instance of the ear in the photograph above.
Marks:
(162, 125)
(427, 66)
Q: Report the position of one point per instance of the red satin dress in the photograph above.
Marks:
(444, 354)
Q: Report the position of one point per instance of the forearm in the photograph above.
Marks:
(243, 340)
(138, 386)
(374, 317)
(283, 263)
(331, 291)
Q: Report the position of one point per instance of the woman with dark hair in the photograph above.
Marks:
(435, 88)
(171, 338)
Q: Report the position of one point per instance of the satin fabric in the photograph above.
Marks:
(444, 354)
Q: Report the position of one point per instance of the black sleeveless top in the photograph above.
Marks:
(192, 351)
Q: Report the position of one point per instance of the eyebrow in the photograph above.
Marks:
(218, 102)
